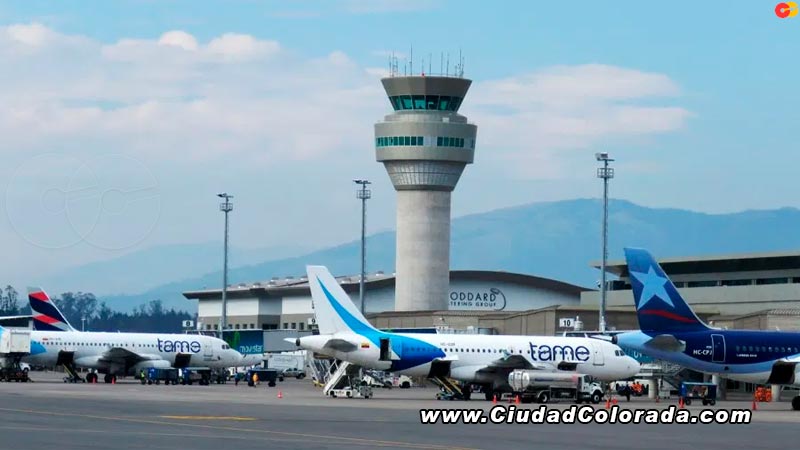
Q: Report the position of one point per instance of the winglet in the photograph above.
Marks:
(46, 316)
(659, 306)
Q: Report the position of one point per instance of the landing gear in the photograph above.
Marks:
(110, 378)
(91, 377)
(796, 403)
(466, 392)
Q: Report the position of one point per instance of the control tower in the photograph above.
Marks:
(424, 145)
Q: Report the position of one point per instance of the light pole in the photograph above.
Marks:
(606, 173)
(363, 193)
(225, 207)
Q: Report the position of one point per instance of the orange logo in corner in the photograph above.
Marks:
(786, 9)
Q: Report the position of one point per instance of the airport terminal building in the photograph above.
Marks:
(482, 300)
(742, 291)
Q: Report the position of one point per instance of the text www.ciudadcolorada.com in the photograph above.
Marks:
(501, 414)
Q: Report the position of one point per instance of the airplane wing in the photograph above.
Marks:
(513, 362)
(124, 357)
(15, 317)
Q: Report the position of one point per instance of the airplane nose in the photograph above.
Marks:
(633, 366)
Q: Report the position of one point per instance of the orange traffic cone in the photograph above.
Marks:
(614, 401)
(608, 403)
(755, 404)
(516, 400)
(280, 394)
(494, 399)
(680, 402)
(113, 380)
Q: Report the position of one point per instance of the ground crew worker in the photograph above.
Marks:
(141, 375)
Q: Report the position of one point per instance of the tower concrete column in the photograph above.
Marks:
(423, 250)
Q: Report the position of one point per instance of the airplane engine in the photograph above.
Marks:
(784, 372)
(470, 374)
(144, 365)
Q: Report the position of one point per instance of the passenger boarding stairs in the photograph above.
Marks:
(342, 376)
(449, 387)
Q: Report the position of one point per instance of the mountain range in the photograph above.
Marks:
(553, 239)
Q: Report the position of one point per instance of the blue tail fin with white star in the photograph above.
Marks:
(659, 306)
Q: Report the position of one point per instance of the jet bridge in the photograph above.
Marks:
(14, 345)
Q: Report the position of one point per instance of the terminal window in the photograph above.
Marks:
(762, 281)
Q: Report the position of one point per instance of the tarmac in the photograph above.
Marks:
(48, 413)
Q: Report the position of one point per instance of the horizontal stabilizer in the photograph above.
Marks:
(667, 343)
(341, 345)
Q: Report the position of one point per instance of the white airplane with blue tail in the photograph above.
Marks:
(487, 360)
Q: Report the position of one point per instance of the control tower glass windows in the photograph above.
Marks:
(425, 102)
(442, 141)
(400, 141)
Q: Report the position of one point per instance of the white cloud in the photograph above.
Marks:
(243, 111)
(570, 107)
(34, 34)
(180, 39)
(243, 95)
(239, 47)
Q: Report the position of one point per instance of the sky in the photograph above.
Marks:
(121, 121)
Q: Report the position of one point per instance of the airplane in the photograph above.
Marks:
(471, 359)
(55, 342)
(671, 331)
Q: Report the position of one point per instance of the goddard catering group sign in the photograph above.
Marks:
(483, 299)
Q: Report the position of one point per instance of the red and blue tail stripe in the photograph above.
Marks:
(46, 316)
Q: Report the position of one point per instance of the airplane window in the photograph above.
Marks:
(770, 349)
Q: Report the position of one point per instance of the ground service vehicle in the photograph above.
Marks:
(542, 387)
(293, 373)
(269, 376)
(705, 392)
(156, 375)
(361, 391)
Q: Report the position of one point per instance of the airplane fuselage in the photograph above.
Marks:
(415, 354)
(104, 351)
(742, 355)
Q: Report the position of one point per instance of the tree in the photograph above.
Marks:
(77, 306)
(9, 301)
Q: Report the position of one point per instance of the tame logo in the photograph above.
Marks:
(786, 9)
(559, 353)
(168, 346)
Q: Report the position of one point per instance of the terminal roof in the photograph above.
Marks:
(742, 262)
